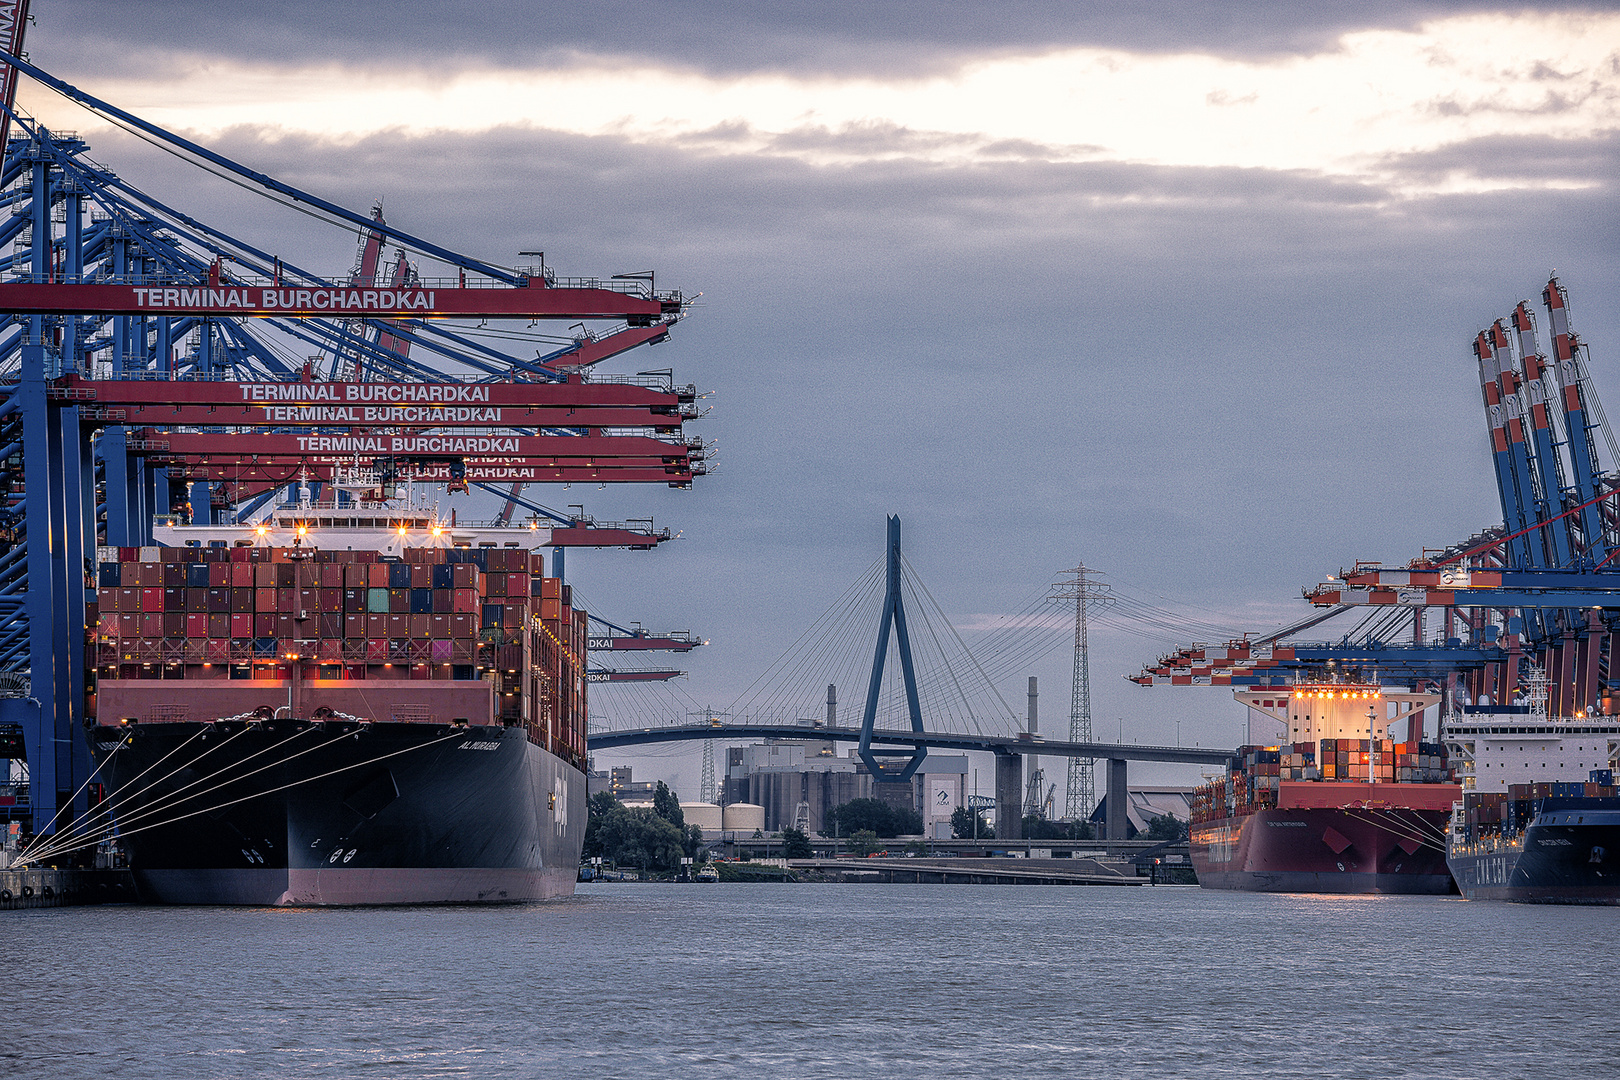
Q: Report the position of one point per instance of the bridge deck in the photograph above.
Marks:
(944, 740)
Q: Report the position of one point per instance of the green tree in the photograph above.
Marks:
(907, 823)
(795, 845)
(864, 842)
(875, 815)
(639, 837)
(694, 844)
(668, 807)
(962, 825)
(597, 807)
(1165, 827)
(1043, 829)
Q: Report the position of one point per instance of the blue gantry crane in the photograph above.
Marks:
(1543, 588)
(140, 352)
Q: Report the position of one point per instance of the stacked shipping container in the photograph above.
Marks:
(437, 614)
(1255, 775)
(1508, 813)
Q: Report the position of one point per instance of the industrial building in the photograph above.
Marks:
(799, 782)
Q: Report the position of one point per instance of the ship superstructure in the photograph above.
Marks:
(1338, 807)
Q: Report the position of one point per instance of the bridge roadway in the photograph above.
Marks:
(1008, 749)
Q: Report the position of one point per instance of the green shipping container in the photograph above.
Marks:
(377, 601)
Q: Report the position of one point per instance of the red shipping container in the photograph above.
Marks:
(377, 576)
(152, 624)
(241, 574)
(151, 573)
(421, 577)
(331, 576)
(354, 626)
(219, 575)
(174, 624)
(264, 624)
(439, 626)
(264, 576)
(217, 649)
(420, 626)
(464, 601)
(285, 626)
(219, 624)
(196, 626)
(377, 649)
(463, 626)
(376, 626)
(241, 598)
(241, 555)
(331, 599)
(399, 626)
(151, 599)
(464, 576)
(241, 625)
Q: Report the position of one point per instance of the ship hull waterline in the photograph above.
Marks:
(293, 814)
(1352, 850)
(1557, 864)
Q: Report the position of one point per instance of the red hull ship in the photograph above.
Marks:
(1329, 815)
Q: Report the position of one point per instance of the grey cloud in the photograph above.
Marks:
(1515, 158)
(723, 37)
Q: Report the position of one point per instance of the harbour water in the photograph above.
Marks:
(858, 981)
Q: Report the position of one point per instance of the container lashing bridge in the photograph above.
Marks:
(157, 365)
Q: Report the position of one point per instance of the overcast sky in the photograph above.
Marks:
(1182, 290)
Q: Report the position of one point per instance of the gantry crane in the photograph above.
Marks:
(1542, 588)
(156, 366)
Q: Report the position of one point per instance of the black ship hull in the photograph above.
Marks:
(301, 814)
(1568, 856)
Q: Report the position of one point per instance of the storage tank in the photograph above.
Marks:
(743, 817)
(705, 816)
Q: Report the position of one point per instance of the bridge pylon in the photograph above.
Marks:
(894, 615)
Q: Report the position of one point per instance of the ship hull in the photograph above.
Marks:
(1558, 863)
(1324, 850)
(297, 814)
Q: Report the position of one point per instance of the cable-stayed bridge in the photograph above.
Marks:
(925, 689)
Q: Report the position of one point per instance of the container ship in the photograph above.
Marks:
(1523, 832)
(1341, 808)
(340, 707)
